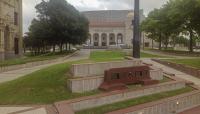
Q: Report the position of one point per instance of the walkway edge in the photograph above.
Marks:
(33, 64)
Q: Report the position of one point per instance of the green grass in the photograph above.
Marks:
(42, 87)
(29, 58)
(47, 85)
(116, 55)
(176, 52)
(98, 56)
(165, 79)
(132, 102)
(146, 55)
(189, 62)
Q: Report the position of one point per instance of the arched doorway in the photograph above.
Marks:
(119, 38)
(104, 39)
(112, 39)
(6, 38)
(96, 39)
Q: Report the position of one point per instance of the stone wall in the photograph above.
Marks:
(171, 105)
(97, 69)
(117, 96)
(80, 85)
(156, 73)
(183, 68)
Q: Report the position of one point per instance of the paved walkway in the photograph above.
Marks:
(83, 54)
(176, 72)
(168, 56)
(11, 75)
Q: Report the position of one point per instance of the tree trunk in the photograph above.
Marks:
(191, 41)
(69, 47)
(54, 48)
(66, 46)
(61, 46)
(152, 44)
(160, 42)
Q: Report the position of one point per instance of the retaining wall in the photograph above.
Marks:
(171, 105)
(80, 85)
(97, 69)
(117, 96)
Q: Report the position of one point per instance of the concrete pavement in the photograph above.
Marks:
(11, 75)
(174, 71)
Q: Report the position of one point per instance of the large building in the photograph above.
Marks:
(112, 27)
(10, 29)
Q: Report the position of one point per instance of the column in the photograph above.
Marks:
(115, 36)
(100, 43)
(92, 40)
(107, 39)
(1, 40)
(2, 48)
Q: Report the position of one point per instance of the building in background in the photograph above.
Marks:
(10, 29)
(112, 27)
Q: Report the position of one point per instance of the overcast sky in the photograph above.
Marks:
(86, 5)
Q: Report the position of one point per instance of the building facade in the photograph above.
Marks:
(10, 29)
(112, 27)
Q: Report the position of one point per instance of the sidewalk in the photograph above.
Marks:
(179, 74)
(11, 75)
(24, 110)
(168, 56)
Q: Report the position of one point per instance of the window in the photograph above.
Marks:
(16, 18)
(141, 73)
(115, 76)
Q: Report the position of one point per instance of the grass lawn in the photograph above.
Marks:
(107, 55)
(176, 52)
(116, 55)
(132, 102)
(190, 62)
(28, 59)
(147, 55)
(47, 85)
(41, 87)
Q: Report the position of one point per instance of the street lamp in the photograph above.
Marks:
(136, 31)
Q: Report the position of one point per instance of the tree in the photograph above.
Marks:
(173, 19)
(57, 23)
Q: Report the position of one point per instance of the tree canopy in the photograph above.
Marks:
(174, 20)
(57, 24)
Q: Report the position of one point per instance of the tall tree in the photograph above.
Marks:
(58, 23)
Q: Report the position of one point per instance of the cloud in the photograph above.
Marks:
(86, 5)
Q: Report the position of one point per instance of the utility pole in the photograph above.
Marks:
(136, 30)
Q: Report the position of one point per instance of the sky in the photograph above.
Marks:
(87, 5)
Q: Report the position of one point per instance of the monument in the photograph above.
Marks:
(118, 78)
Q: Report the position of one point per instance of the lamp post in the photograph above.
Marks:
(136, 31)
